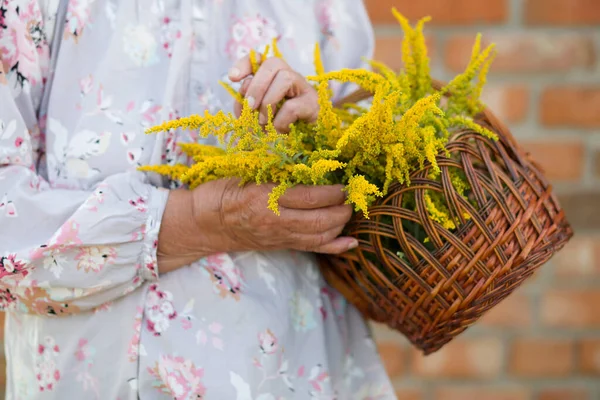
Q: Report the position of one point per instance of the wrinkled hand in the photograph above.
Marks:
(274, 81)
(312, 218)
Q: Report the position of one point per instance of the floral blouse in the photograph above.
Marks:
(88, 316)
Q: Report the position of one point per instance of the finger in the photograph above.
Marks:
(306, 197)
(245, 86)
(242, 68)
(316, 221)
(338, 246)
(237, 109)
(305, 108)
(285, 84)
(310, 242)
(263, 79)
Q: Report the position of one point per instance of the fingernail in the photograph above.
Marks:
(262, 119)
(251, 101)
(234, 72)
(352, 244)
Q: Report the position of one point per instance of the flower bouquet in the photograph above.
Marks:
(451, 215)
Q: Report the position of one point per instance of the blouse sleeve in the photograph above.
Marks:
(62, 251)
(348, 38)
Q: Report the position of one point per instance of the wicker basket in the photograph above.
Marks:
(432, 296)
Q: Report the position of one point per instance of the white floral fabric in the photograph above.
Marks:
(88, 316)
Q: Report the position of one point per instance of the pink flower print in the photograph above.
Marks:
(178, 378)
(94, 258)
(168, 34)
(213, 333)
(134, 155)
(23, 43)
(104, 307)
(11, 266)
(7, 299)
(65, 238)
(226, 277)
(68, 234)
(7, 208)
(149, 113)
(139, 204)
(85, 85)
(83, 352)
(250, 33)
(172, 151)
(127, 137)
(318, 376)
(96, 198)
(78, 15)
(134, 345)
(36, 183)
(268, 342)
(45, 369)
(159, 310)
(325, 16)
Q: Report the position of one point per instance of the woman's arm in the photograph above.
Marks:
(62, 251)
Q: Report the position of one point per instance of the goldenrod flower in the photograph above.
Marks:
(365, 147)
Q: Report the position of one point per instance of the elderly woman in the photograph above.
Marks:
(118, 285)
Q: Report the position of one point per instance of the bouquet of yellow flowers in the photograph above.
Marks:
(366, 149)
(374, 149)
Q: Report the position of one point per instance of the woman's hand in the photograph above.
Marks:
(274, 81)
(221, 216)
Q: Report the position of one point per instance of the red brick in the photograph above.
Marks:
(562, 12)
(512, 312)
(560, 159)
(571, 106)
(589, 356)
(443, 12)
(526, 52)
(410, 394)
(459, 393)
(474, 358)
(564, 394)
(580, 258)
(571, 308)
(388, 49)
(392, 356)
(581, 208)
(509, 103)
(540, 357)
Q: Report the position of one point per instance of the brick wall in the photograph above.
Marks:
(543, 342)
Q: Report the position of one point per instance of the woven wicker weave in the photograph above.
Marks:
(432, 296)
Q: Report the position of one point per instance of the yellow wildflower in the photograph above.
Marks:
(366, 79)
(232, 92)
(276, 51)
(319, 69)
(276, 194)
(253, 60)
(172, 171)
(361, 193)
